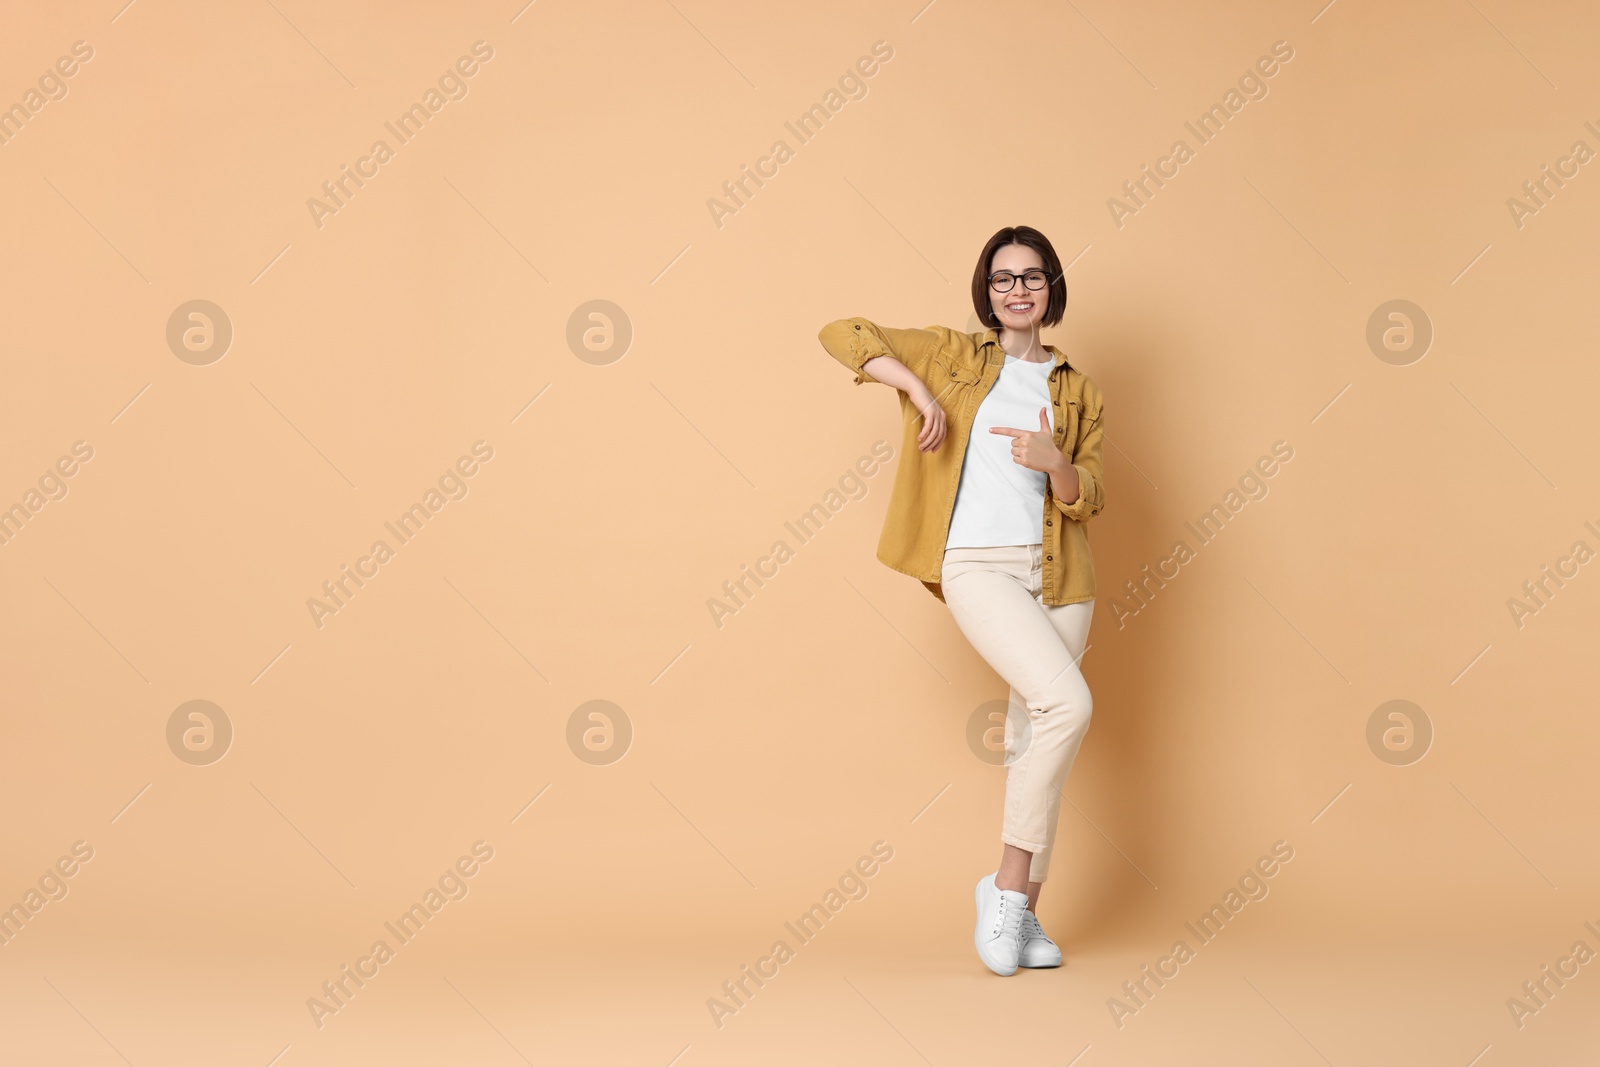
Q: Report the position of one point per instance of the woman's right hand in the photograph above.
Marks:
(933, 419)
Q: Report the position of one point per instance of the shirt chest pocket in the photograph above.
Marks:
(948, 373)
(1066, 423)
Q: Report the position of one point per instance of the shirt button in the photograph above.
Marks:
(1049, 557)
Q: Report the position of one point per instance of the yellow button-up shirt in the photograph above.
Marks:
(960, 369)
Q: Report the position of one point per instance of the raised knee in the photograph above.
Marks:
(1070, 703)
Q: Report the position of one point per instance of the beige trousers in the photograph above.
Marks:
(996, 595)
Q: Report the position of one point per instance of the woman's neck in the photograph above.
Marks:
(1024, 344)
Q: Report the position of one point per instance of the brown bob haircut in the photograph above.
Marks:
(1032, 238)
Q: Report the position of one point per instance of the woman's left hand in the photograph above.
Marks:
(1034, 449)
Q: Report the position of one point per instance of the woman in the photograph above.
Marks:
(989, 511)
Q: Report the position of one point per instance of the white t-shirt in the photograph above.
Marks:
(999, 501)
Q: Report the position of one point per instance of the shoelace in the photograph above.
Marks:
(1031, 928)
(1009, 921)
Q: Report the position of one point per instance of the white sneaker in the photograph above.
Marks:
(1037, 949)
(998, 933)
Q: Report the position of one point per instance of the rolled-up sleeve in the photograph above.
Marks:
(1086, 460)
(856, 340)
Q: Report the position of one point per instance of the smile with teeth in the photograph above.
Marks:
(1018, 307)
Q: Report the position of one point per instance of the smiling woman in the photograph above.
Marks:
(1000, 473)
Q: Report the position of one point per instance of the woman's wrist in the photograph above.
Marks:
(1063, 478)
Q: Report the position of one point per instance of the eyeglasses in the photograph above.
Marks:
(1002, 281)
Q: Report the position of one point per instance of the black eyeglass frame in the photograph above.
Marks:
(1024, 276)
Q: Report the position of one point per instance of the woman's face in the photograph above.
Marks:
(1020, 308)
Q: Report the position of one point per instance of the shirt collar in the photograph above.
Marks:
(992, 337)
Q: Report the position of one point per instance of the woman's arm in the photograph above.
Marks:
(891, 371)
(855, 341)
(875, 353)
(1085, 474)
(1065, 484)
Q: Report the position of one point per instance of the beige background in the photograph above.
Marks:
(830, 712)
